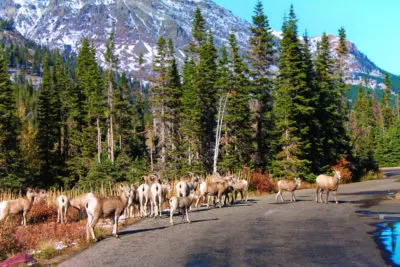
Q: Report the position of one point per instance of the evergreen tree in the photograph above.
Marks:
(198, 33)
(11, 164)
(334, 141)
(292, 109)
(238, 126)
(205, 82)
(261, 57)
(47, 128)
(386, 105)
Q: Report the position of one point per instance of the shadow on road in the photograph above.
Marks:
(131, 232)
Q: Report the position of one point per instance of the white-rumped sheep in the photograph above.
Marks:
(144, 194)
(327, 183)
(79, 203)
(288, 185)
(156, 199)
(62, 208)
(114, 206)
(182, 189)
(181, 204)
(18, 206)
(240, 186)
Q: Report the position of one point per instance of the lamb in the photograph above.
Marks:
(144, 194)
(97, 207)
(182, 204)
(18, 206)
(62, 208)
(288, 185)
(327, 183)
(156, 199)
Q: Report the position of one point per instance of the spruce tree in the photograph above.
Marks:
(238, 125)
(292, 109)
(11, 164)
(334, 141)
(48, 128)
(205, 82)
(261, 57)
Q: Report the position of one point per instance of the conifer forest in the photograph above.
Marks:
(81, 123)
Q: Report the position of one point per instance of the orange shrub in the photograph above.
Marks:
(262, 182)
(42, 212)
(343, 165)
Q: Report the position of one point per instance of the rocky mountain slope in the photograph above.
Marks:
(138, 24)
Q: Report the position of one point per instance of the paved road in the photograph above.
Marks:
(259, 233)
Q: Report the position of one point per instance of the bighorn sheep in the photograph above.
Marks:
(62, 208)
(79, 203)
(327, 183)
(97, 207)
(144, 194)
(41, 196)
(211, 189)
(132, 203)
(288, 185)
(182, 204)
(18, 206)
(240, 186)
(156, 199)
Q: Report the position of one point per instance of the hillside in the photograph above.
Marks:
(139, 24)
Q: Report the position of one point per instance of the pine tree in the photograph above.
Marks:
(198, 33)
(48, 127)
(334, 141)
(11, 164)
(190, 118)
(261, 57)
(205, 82)
(292, 109)
(238, 126)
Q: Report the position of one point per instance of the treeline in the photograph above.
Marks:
(222, 111)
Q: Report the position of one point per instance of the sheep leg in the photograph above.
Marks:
(293, 197)
(316, 194)
(277, 195)
(187, 215)
(115, 228)
(171, 215)
(327, 195)
(24, 217)
(58, 215)
(283, 200)
(65, 214)
(334, 194)
(92, 224)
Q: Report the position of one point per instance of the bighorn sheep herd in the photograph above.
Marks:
(152, 193)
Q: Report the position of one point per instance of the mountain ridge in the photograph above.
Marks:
(139, 24)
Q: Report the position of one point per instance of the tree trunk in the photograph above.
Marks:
(98, 140)
(220, 118)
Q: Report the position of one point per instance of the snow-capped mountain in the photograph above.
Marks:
(138, 24)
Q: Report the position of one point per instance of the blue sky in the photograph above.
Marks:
(372, 25)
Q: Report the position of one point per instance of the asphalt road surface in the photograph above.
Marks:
(260, 232)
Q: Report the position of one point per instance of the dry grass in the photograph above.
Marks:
(43, 233)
